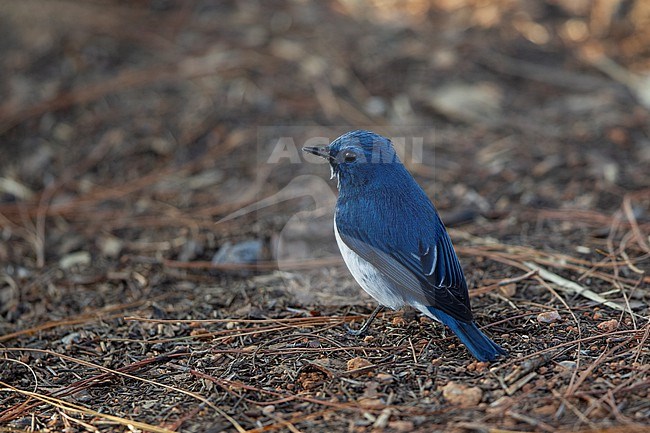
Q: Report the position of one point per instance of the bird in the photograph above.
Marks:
(393, 241)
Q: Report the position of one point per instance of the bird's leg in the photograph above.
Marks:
(367, 323)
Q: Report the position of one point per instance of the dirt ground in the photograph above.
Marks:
(167, 261)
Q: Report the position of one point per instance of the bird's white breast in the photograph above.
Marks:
(368, 277)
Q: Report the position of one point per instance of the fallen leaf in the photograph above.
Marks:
(385, 378)
(201, 334)
(358, 363)
(509, 290)
(79, 258)
(609, 325)
(548, 317)
(468, 102)
(311, 379)
(401, 426)
(370, 403)
(462, 395)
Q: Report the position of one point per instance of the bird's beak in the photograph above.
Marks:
(322, 151)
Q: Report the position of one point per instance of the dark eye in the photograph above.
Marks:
(349, 156)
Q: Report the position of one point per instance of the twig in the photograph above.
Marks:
(130, 376)
(505, 282)
(573, 287)
(75, 408)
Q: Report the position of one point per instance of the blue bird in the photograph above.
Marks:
(393, 241)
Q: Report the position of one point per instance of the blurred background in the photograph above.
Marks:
(127, 120)
(132, 133)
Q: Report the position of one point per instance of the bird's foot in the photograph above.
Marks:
(355, 332)
(366, 325)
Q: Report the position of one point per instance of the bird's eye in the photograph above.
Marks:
(349, 156)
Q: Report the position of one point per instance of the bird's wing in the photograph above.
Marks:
(428, 273)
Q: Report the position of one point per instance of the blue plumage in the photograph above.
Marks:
(393, 240)
(476, 341)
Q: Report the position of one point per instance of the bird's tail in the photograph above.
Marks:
(473, 338)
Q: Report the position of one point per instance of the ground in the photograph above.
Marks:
(167, 260)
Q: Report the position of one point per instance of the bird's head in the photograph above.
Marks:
(359, 157)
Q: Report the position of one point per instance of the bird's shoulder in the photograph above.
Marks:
(397, 215)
